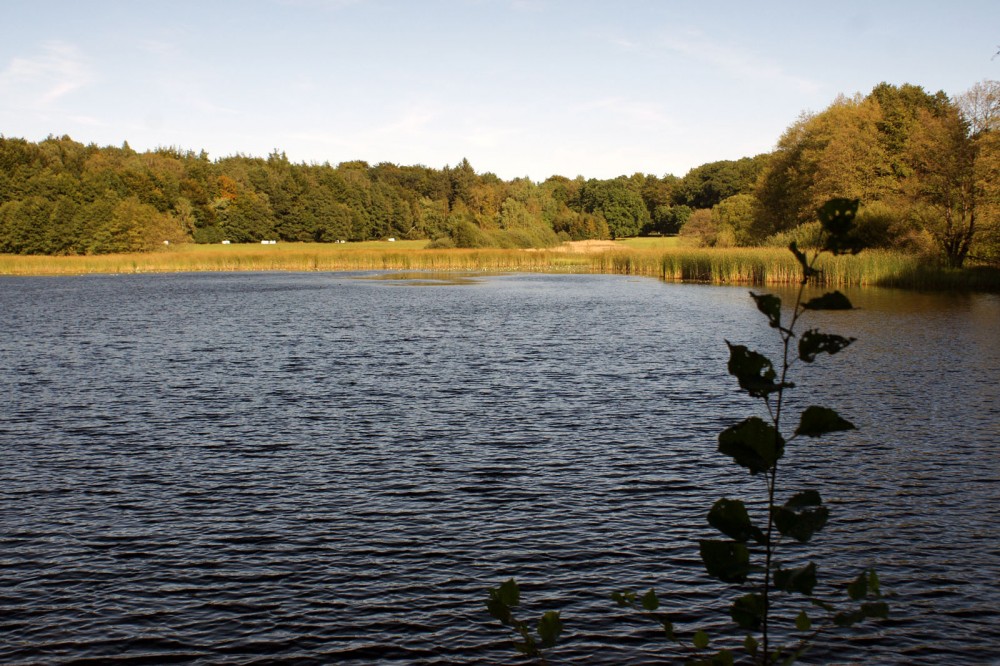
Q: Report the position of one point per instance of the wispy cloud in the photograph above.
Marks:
(629, 110)
(42, 80)
(740, 63)
(625, 44)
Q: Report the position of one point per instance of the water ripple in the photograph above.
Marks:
(315, 469)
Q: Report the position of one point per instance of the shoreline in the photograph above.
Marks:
(744, 266)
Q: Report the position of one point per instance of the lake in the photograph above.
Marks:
(333, 467)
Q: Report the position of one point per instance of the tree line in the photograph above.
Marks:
(59, 196)
(924, 165)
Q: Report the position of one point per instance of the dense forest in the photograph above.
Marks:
(925, 166)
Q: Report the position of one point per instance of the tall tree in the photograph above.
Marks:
(708, 184)
(954, 158)
(621, 206)
(859, 147)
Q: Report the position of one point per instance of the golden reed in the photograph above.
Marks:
(748, 266)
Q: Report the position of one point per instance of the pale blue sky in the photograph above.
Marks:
(519, 87)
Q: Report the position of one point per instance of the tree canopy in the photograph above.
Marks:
(925, 162)
(924, 165)
(59, 196)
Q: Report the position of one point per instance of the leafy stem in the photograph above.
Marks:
(758, 445)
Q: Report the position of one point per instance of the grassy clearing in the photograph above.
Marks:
(719, 266)
(650, 242)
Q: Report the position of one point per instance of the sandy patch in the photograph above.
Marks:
(587, 247)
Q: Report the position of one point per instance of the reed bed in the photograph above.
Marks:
(295, 258)
(749, 266)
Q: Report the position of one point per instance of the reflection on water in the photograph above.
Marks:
(212, 468)
(427, 278)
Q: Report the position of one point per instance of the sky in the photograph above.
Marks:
(520, 88)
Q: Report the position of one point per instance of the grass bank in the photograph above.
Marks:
(661, 259)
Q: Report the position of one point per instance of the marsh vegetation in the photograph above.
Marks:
(925, 166)
(653, 257)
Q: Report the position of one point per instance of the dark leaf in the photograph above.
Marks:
(502, 599)
(832, 301)
(750, 644)
(801, 516)
(875, 609)
(527, 647)
(550, 626)
(748, 611)
(508, 593)
(649, 601)
(770, 305)
(813, 342)
(822, 604)
(731, 518)
(807, 270)
(626, 598)
(873, 584)
(753, 371)
(837, 216)
(847, 244)
(668, 629)
(806, 498)
(792, 657)
(802, 622)
(700, 640)
(723, 658)
(847, 619)
(857, 589)
(817, 421)
(729, 561)
(499, 610)
(753, 444)
(800, 579)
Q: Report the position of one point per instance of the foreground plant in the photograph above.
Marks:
(748, 558)
(501, 604)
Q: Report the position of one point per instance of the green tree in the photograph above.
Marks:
(836, 151)
(62, 236)
(431, 217)
(135, 227)
(658, 193)
(461, 180)
(515, 215)
(700, 229)
(899, 108)
(952, 169)
(980, 108)
(337, 222)
(708, 184)
(620, 205)
(463, 230)
(24, 225)
(735, 216)
(89, 220)
(667, 219)
(247, 218)
(860, 147)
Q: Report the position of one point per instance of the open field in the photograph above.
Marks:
(650, 242)
(651, 257)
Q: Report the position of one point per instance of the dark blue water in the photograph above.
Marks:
(332, 468)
